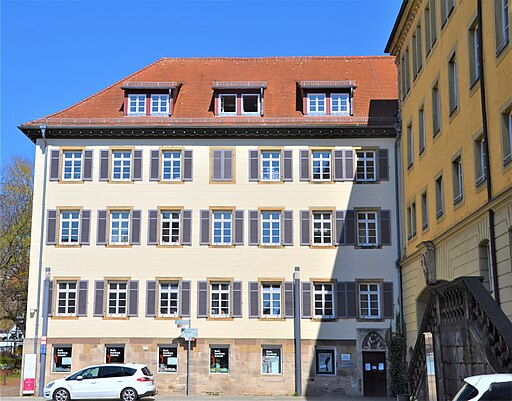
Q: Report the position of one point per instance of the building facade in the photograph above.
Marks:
(193, 189)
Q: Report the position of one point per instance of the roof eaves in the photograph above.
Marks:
(387, 49)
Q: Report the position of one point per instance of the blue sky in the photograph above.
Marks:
(56, 53)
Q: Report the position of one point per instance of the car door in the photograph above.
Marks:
(110, 382)
(87, 387)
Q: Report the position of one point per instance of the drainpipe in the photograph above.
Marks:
(492, 234)
(398, 231)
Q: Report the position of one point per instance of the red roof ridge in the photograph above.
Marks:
(274, 58)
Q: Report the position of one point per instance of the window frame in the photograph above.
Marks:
(271, 229)
(224, 347)
(314, 152)
(369, 293)
(271, 161)
(480, 160)
(269, 348)
(275, 287)
(228, 113)
(458, 179)
(213, 212)
(340, 95)
(366, 221)
(316, 103)
(176, 291)
(453, 84)
(166, 102)
(422, 133)
(138, 112)
(436, 108)
(424, 210)
(71, 229)
(123, 161)
(161, 355)
(250, 113)
(332, 352)
(330, 222)
(439, 190)
(111, 221)
(171, 220)
(73, 161)
(227, 301)
(117, 299)
(501, 25)
(474, 53)
(323, 293)
(410, 145)
(506, 128)
(364, 160)
(67, 292)
(56, 348)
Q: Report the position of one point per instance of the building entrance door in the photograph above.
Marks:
(374, 374)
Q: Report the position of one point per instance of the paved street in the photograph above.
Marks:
(232, 398)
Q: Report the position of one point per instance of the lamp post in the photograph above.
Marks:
(42, 346)
(296, 331)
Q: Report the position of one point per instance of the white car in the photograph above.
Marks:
(486, 388)
(125, 381)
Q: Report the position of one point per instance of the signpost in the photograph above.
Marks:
(188, 334)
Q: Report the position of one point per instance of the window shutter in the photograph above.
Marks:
(85, 227)
(385, 227)
(151, 298)
(152, 227)
(202, 299)
(306, 300)
(350, 227)
(136, 217)
(104, 165)
(338, 165)
(237, 299)
(228, 165)
(254, 165)
(253, 228)
(101, 235)
(87, 176)
(288, 165)
(304, 227)
(186, 231)
(304, 165)
(348, 160)
(82, 298)
(217, 165)
(288, 299)
(287, 228)
(340, 227)
(388, 300)
(254, 300)
(383, 165)
(205, 227)
(50, 298)
(51, 227)
(154, 166)
(239, 227)
(187, 165)
(137, 165)
(185, 298)
(341, 298)
(99, 295)
(55, 165)
(351, 300)
(133, 298)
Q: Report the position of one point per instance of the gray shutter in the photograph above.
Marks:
(104, 165)
(185, 298)
(287, 228)
(237, 299)
(202, 299)
(338, 165)
(350, 227)
(228, 165)
(288, 299)
(351, 300)
(383, 165)
(50, 298)
(254, 300)
(205, 228)
(151, 298)
(348, 160)
(152, 227)
(304, 165)
(304, 227)
(254, 165)
(187, 165)
(137, 165)
(54, 165)
(101, 235)
(306, 300)
(99, 296)
(136, 217)
(287, 165)
(133, 298)
(217, 165)
(239, 227)
(82, 298)
(51, 227)
(85, 227)
(186, 231)
(388, 300)
(341, 298)
(385, 227)
(254, 238)
(154, 166)
(87, 176)
(340, 227)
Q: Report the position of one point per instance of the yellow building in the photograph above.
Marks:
(455, 85)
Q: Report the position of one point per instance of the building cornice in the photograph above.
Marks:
(403, 24)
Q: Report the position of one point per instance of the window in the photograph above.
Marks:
(439, 197)
(170, 222)
(171, 165)
(271, 228)
(61, 359)
(365, 168)
(405, 73)
(410, 146)
(119, 227)
(323, 301)
(480, 160)
(117, 296)
(219, 359)
(251, 104)
(321, 165)
(501, 24)
(136, 105)
(367, 229)
(72, 165)
(159, 105)
(222, 165)
(419, 52)
(66, 298)
(168, 298)
(458, 192)
(316, 103)
(436, 109)
(422, 136)
(114, 354)
(69, 227)
(219, 299)
(453, 84)
(507, 137)
(270, 166)
(430, 25)
(411, 220)
(167, 359)
(485, 266)
(474, 53)
(446, 9)
(414, 54)
(222, 227)
(369, 301)
(228, 104)
(325, 361)
(322, 228)
(340, 103)
(424, 210)
(271, 300)
(271, 363)
(121, 165)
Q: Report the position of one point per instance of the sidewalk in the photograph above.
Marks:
(230, 398)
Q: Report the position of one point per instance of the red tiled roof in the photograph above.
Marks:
(374, 97)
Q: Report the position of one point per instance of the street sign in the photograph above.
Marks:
(43, 339)
(43, 349)
(189, 334)
(180, 323)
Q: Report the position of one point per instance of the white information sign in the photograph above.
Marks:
(29, 374)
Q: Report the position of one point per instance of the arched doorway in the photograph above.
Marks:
(374, 365)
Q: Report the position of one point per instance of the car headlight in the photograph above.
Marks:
(49, 385)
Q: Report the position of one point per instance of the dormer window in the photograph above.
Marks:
(323, 98)
(316, 103)
(340, 103)
(159, 105)
(239, 98)
(228, 104)
(250, 104)
(149, 98)
(137, 105)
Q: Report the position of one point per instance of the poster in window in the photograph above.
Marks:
(167, 359)
(325, 361)
(61, 359)
(219, 360)
(115, 354)
(271, 360)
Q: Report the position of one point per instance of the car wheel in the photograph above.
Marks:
(61, 394)
(129, 394)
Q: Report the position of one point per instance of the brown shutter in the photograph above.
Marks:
(154, 166)
(237, 299)
(186, 231)
(305, 228)
(217, 160)
(253, 228)
(101, 235)
(306, 300)
(287, 235)
(50, 298)
(205, 228)
(187, 165)
(348, 160)
(304, 165)
(341, 298)
(54, 165)
(85, 227)
(388, 300)
(288, 165)
(87, 176)
(338, 165)
(383, 165)
(288, 299)
(135, 227)
(239, 227)
(254, 300)
(82, 298)
(151, 290)
(99, 296)
(152, 227)
(185, 298)
(51, 227)
(104, 165)
(228, 165)
(133, 298)
(339, 227)
(137, 165)
(350, 227)
(351, 300)
(254, 165)
(202, 299)
(385, 227)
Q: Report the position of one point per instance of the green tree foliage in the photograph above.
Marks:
(15, 224)
(397, 351)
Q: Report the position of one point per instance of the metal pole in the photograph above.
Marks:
(42, 354)
(188, 368)
(296, 331)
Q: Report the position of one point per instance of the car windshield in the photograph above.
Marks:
(467, 392)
